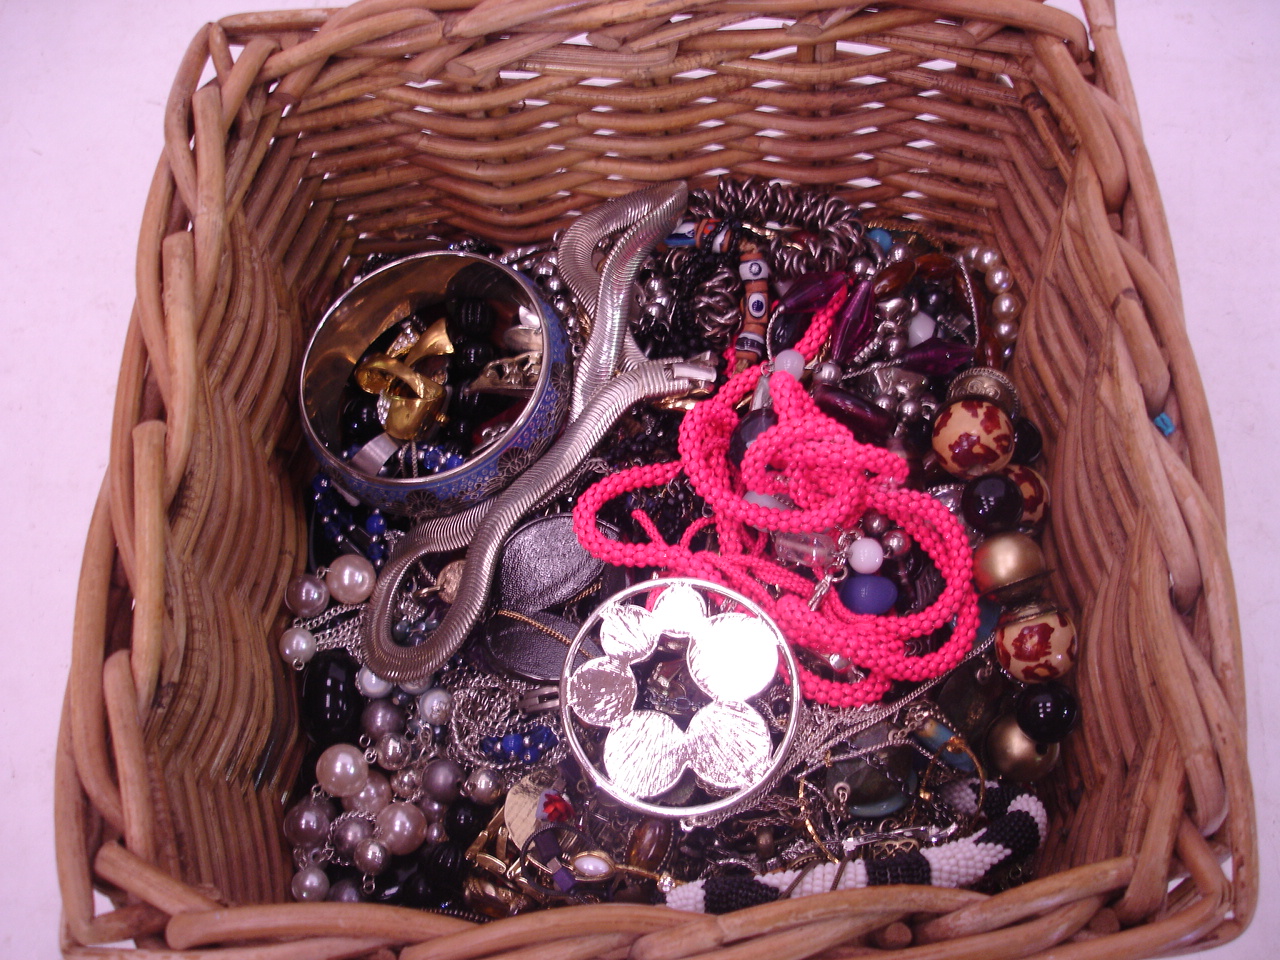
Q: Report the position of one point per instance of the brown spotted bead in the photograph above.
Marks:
(1036, 643)
(1035, 492)
(972, 438)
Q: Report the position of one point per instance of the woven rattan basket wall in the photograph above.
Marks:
(298, 142)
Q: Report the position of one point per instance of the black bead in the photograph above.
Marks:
(445, 865)
(1047, 712)
(753, 424)
(389, 886)
(331, 702)
(1027, 441)
(469, 319)
(991, 503)
(464, 821)
(360, 420)
(469, 358)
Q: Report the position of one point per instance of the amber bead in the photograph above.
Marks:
(649, 844)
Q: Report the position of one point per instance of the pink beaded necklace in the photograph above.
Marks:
(832, 479)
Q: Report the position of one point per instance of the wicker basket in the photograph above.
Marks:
(321, 138)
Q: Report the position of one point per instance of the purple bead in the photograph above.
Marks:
(854, 324)
(867, 422)
(810, 289)
(937, 358)
(868, 593)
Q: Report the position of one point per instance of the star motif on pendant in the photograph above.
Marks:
(731, 657)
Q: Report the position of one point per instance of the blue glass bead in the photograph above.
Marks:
(453, 460)
(542, 737)
(351, 451)
(868, 593)
(375, 524)
(530, 755)
(320, 483)
(489, 746)
(400, 630)
(882, 237)
(415, 638)
(512, 744)
(377, 552)
(331, 529)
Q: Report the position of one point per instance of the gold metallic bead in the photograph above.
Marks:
(491, 897)
(1008, 567)
(1015, 755)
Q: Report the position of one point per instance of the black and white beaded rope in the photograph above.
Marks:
(1017, 827)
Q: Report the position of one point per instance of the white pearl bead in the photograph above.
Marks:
(865, 555)
(1006, 307)
(920, 329)
(400, 827)
(342, 770)
(350, 578)
(436, 707)
(971, 254)
(999, 280)
(372, 685)
(1006, 331)
(790, 362)
(297, 646)
(414, 689)
(989, 259)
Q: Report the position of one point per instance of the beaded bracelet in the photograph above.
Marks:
(1018, 826)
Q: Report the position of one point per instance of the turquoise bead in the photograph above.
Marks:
(868, 593)
(882, 238)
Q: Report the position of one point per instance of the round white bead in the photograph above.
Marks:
(790, 362)
(297, 646)
(865, 555)
(372, 685)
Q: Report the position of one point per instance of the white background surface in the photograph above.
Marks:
(82, 93)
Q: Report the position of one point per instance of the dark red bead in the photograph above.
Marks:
(991, 503)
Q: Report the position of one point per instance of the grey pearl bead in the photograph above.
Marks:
(348, 834)
(371, 857)
(406, 782)
(886, 401)
(442, 780)
(306, 595)
(874, 524)
(436, 706)
(862, 267)
(483, 786)
(310, 883)
(393, 751)
(827, 372)
(899, 251)
(896, 543)
(909, 409)
(433, 809)
(380, 718)
(345, 890)
(436, 833)
(307, 823)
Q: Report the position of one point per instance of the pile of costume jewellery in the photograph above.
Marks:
(688, 559)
